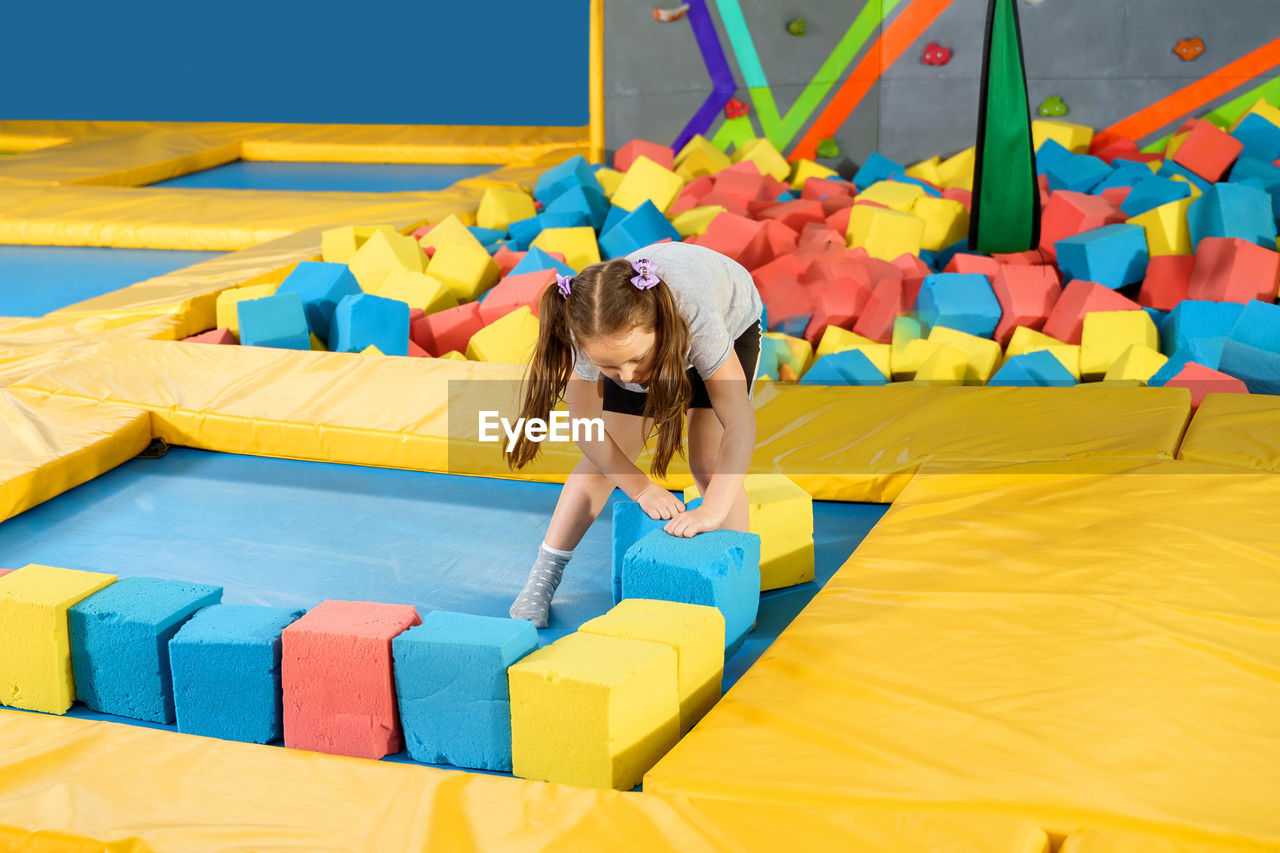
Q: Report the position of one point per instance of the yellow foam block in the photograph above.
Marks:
(508, 340)
(1107, 334)
(781, 514)
(799, 350)
(983, 354)
(766, 157)
(451, 229)
(454, 355)
(884, 233)
(417, 290)
(35, 653)
(927, 171)
(892, 194)
(945, 221)
(578, 245)
(695, 220)
(836, 339)
(907, 358)
(609, 180)
(1166, 227)
(371, 350)
(645, 181)
(956, 172)
(1072, 136)
(944, 366)
(381, 254)
(228, 315)
(1026, 340)
(1261, 108)
(905, 329)
(500, 207)
(1138, 362)
(465, 268)
(337, 245)
(694, 631)
(317, 345)
(592, 710)
(699, 157)
(803, 170)
(1195, 190)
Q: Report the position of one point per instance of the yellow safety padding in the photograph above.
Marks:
(115, 786)
(51, 444)
(393, 413)
(1080, 644)
(127, 160)
(1238, 430)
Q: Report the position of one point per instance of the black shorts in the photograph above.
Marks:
(746, 347)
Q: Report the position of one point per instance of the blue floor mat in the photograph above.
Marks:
(328, 177)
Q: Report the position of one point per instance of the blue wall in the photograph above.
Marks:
(513, 62)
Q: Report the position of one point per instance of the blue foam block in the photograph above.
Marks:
(850, 367)
(1157, 316)
(962, 301)
(1169, 168)
(1258, 326)
(1153, 192)
(930, 259)
(1113, 255)
(641, 227)
(226, 672)
(903, 178)
(274, 321)
(794, 326)
(1206, 352)
(364, 321)
(488, 237)
(1078, 173)
(720, 569)
(1120, 178)
(1239, 209)
(877, 167)
(588, 201)
(536, 259)
(1258, 369)
(120, 644)
(1037, 369)
(1050, 153)
(770, 349)
(944, 255)
(321, 287)
(525, 231)
(1265, 173)
(1261, 138)
(787, 195)
(574, 172)
(1197, 318)
(451, 687)
(630, 525)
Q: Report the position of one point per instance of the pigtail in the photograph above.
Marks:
(669, 390)
(547, 376)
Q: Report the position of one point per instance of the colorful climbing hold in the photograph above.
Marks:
(666, 16)
(735, 109)
(828, 149)
(1189, 49)
(1053, 107)
(796, 26)
(935, 54)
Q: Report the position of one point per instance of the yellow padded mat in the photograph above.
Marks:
(1239, 430)
(1081, 649)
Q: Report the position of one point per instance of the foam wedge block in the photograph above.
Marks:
(226, 672)
(360, 322)
(228, 315)
(274, 321)
(573, 172)
(500, 207)
(696, 634)
(1201, 380)
(628, 153)
(638, 228)
(120, 644)
(417, 290)
(1074, 137)
(451, 229)
(719, 569)
(647, 181)
(836, 339)
(850, 367)
(1108, 334)
(321, 287)
(1166, 228)
(765, 156)
(943, 365)
(594, 711)
(1137, 363)
(1039, 369)
(451, 685)
(876, 167)
(383, 252)
(339, 696)
(510, 339)
(35, 649)
(465, 268)
(537, 259)
(213, 336)
(338, 245)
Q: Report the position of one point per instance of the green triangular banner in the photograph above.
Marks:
(1006, 199)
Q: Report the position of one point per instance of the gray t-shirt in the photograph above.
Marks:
(715, 295)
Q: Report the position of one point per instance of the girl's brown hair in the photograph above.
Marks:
(603, 301)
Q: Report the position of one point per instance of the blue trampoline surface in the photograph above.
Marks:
(289, 533)
(35, 280)
(328, 177)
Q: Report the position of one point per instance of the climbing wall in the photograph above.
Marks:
(858, 74)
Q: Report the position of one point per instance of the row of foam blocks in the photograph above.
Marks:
(365, 679)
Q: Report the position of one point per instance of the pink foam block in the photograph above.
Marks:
(739, 238)
(963, 262)
(213, 336)
(795, 214)
(507, 259)
(888, 298)
(1201, 380)
(1066, 321)
(1232, 270)
(335, 670)
(816, 188)
(514, 291)
(627, 154)
(1168, 279)
(1068, 213)
(447, 330)
(1026, 294)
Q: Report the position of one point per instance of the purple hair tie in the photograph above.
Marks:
(564, 282)
(646, 274)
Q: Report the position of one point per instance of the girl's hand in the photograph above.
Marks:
(657, 502)
(695, 521)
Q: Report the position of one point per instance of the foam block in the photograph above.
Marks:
(1251, 352)
(1234, 270)
(337, 245)
(574, 172)
(336, 677)
(1074, 137)
(843, 368)
(451, 685)
(1232, 210)
(888, 298)
(1066, 321)
(226, 672)
(945, 222)
(593, 710)
(1068, 213)
(803, 171)
(943, 365)
(981, 355)
(510, 339)
(213, 336)
(1106, 335)
(514, 291)
(500, 207)
(765, 156)
(274, 321)
(892, 194)
(1026, 340)
(876, 167)
(35, 650)
(228, 315)
(696, 634)
(365, 320)
(795, 214)
(525, 231)
(537, 259)
(1153, 192)
(694, 221)
(588, 202)
(1113, 255)
(1258, 138)
(630, 525)
(719, 569)
(1208, 151)
(884, 233)
(1201, 380)
(1195, 319)
(647, 181)
(627, 154)
(321, 287)
(836, 339)
(417, 290)
(578, 245)
(959, 301)
(465, 268)
(1166, 228)
(1026, 295)
(449, 330)
(383, 252)
(1137, 363)
(699, 158)
(638, 228)
(1038, 369)
(1077, 173)
(1167, 282)
(739, 238)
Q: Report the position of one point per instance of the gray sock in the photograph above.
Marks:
(534, 601)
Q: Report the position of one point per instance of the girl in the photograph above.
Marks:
(675, 330)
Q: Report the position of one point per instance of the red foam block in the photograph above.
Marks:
(796, 214)
(506, 259)
(1068, 213)
(1208, 151)
(1026, 294)
(836, 302)
(889, 297)
(514, 291)
(963, 262)
(1167, 282)
(447, 330)
(780, 289)
(816, 188)
(1201, 380)
(213, 336)
(627, 154)
(1066, 321)
(742, 239)
(1232, 270)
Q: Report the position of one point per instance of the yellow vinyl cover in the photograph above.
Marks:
(1240, 430)
(1087, 650)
